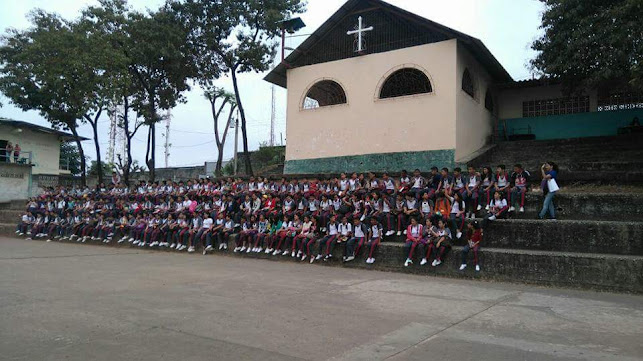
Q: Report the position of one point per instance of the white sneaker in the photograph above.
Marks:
(208, 248)
(236, 249)
(463, 266)
(492, 218)
(49, 240)
(56, 237)
(522, 210)
(248, 250)
(136, 243)
(121, 240)
(319, 256)
(434, 263)
(486, 208)
(293, 254)
(458, 234)
(28, 239)
(479, 207)
(242, 249)
(183, 247)
(511, 209)
(154, 244)
(84, 239)
(275, 253)
(303, 258)
(477, 268)
(399, 233)
(191, 249)
(17, 232)
(312, 259)
(349, 258)
(299, 253)
(285, 253)
(267, 251)
(438, 263)
(172, 245)
(221, 246)
(21, 234)
(423, 262)
(408, 262)
(372, 260)
(404, 231)
(225, 246)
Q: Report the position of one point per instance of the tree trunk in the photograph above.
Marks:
(147, 151)
(244, 134)
(83, 177)
(153, 152)
(98, 157)
(221, 145)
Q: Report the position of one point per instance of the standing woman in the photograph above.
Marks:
(549, 172)
(8, 151)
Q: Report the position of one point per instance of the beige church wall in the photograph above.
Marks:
(45, 148)
(511, 99)
(368, 125)
(474, 121)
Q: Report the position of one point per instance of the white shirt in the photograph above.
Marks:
(207, 223)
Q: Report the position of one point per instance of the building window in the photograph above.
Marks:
(558, 106)
(407, 81)
(467, 84)
(323, 94)
(620, 101)
(488, 101)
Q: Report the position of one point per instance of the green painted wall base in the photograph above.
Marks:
(379, 162)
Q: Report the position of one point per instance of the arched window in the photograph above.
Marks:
(467, 84)
(406, 81)
(488, 101)
(323, 94)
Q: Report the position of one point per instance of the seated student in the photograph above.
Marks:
(413, 238)
(195, 227)
(404, 184)
(474, 236)
(387, 216)
(388, 185)
(182, 228)
(325, 211)
(301, 239)
(433, 183)
(223, 236)
(263, 227)
(429, 240)
(280, 235)
(24, 226)
(498, 209)
(472, 187)
(106, 232)
(53, 226)
(374, 239)
(410, 210)
(418, 185)
(446, 182)
(345, 232)
(66, 226)
(37, 224)
(331, 235)
(293, 230)
(171, 227)
(486, 190)
(519, 180)
(354, 244)
(274, 225)
(456, 217)
(502, 182)
(217, 226)
(308, 243)
(441, 246)
(425, 208)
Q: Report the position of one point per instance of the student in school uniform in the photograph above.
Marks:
(308, 243)
(280, 235)
(441, 246)
(474, 237)
(353, 245)
(331, 235)
(433, 183)
(374, 239)
(413, 238)
(183, 227)
(387, 217)
(217, 227)
(425, 208)
(519, 186)
(497, 209)
(404, 183)
(242, 235)
(301, 239)
(223, 236)
(446, 182)
(263, 227)
(294, 229)
(456, 217)
(502, 182)
(410, 210)
(345, 232)
(25, 224)
(471, 188)
(274, 226)
(486, 191)
(388, 185)
(418, 185)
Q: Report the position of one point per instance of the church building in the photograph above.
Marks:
(377, 88)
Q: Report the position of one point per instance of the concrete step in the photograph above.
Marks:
(603, 237)
(597, 206)
(10, 215)
(15, 205)
(615, 273)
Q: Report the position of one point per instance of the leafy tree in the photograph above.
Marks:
(70, 157)
(213, 94)
(233, 37)
(107, 169)
(38, 72)
(591, 43)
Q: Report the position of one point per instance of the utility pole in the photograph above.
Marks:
(236, 142)
(272, 118)
(113, 119)
(168, 119)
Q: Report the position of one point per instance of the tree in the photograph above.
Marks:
(233, 37)
(106, 169)
(227, 98)
(158, 63)
(70, 157)
(590, 44)
(37, 73)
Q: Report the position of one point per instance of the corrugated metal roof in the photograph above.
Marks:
(38, 128)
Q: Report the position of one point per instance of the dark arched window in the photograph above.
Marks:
(407, 81)
(467, 84)
(488, 101)
(323, 94)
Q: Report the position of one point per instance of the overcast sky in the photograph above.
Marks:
(507, 27)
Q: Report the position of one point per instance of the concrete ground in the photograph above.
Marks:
(82, 302)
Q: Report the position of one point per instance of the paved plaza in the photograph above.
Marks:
(85, 302)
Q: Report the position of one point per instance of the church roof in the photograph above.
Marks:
(402, 30)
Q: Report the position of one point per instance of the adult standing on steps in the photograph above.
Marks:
(549, 172)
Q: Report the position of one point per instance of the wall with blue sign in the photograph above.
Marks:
(573, 125)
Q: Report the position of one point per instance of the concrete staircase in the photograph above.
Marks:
(612, 160)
